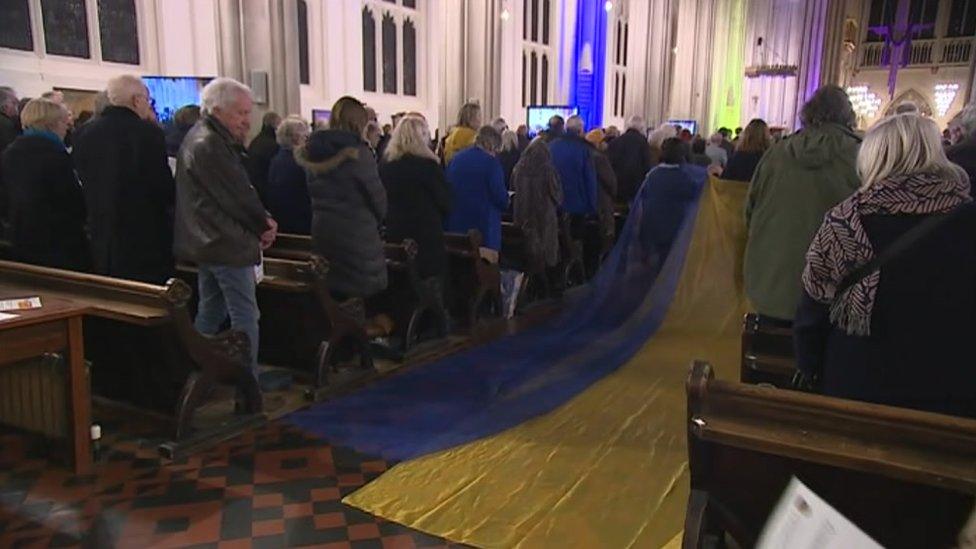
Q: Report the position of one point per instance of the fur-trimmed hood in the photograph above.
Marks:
(326, 150)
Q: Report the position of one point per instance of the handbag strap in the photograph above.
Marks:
(903, 243)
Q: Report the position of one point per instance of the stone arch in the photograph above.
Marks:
(914, 96)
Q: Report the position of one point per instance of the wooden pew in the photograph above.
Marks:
(408, 299)
(905, 477)
(767, 353)
(302, 326)
(475, 283)
(142, 343)
(514, 255)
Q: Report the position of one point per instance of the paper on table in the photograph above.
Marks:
(802, 519)
(6, 316)
(20, 304)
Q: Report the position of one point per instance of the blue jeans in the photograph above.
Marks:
(229, 291)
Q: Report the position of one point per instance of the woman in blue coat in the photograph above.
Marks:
(478, 184)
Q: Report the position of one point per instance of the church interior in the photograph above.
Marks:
(487, 273)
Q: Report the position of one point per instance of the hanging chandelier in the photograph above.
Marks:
(944, 96)
(865, 102)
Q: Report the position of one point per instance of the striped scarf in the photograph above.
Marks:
(841, 244)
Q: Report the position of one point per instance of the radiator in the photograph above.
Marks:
(34, 396)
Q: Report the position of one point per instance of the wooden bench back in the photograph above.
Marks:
(291, 246)
(878, 465)
(767, 353)
(464, 244)
(401, 256)
(115, 298)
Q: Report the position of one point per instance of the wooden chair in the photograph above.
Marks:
(475, 283)
(302, 325)
(142, 343)
(905, 477)
(767, 353)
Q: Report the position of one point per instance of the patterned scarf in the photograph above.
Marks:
(841, 244)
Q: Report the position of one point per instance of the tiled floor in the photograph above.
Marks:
(272, 487)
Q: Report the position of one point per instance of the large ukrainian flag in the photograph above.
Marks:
(609, 467)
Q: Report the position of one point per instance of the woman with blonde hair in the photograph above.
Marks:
(462, 135)
(509, 155)
(889, 288)
(46, 203)
(419, 196)
(749, 149)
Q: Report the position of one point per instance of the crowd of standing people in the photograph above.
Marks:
(121, 197)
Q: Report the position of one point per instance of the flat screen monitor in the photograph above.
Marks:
(169, 93)
(539, 115)
(320, 118)
(690, 125)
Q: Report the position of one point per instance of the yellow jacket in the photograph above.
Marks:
(461, 137)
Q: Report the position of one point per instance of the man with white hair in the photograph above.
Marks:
(963, 152)
(9, 130)
(221, 224)
(121, 161)
(715, 151)
(630, 156)
(572, 157)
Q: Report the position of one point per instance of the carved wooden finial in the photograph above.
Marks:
(177, 292)
(320, 265)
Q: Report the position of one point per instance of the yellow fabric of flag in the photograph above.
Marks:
(608, 468)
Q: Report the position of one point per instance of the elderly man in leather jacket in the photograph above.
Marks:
(221, 224)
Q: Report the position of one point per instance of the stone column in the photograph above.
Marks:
(696, 29)
(230, 60)
(649, 72)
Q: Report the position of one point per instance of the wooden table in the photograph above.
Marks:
(56, 327)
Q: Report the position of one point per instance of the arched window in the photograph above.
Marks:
(537, 51)
(398, 51)
(112, 37)
(369, 50)
(389, 54)
(409, 58)
(66, 27)
(303, 72)
(15, 26)
(620, 28)
(118, 29)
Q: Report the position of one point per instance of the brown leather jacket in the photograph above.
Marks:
(219, 216)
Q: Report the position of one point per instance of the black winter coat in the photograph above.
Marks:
(630, 156)
(419, 199)
(219, 217)
(920, 352)
(47, 207)
(964, 154)
(348, 207)
(260, 152)
(121, 161)
(741, 166)
(287, 196)
(9, 130)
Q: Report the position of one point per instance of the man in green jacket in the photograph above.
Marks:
(796, 182)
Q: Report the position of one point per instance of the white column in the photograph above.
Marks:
(229, 30)
(692, 68)
(651, 59)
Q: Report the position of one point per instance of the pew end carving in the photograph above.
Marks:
(472, 276)
(142, 343)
